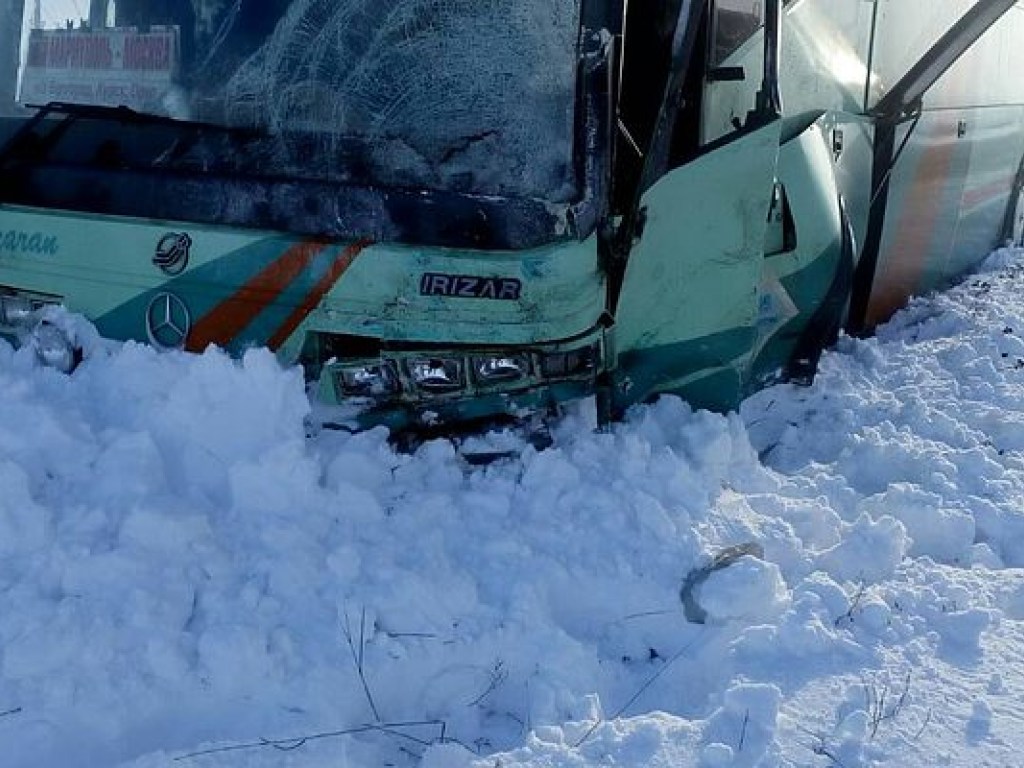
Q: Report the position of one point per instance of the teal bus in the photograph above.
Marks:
(479, 210)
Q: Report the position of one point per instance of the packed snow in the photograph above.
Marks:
(188, 578)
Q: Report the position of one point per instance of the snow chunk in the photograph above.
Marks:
(942, 533)
(747, 718)
(23, 523)
(870, 550)
(716, 755)
(750, 590)
(980, 724)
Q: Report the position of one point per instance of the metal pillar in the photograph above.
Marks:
(98, 13)
(11, 15)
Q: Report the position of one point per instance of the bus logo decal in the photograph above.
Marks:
(172, 253)
(471, 287)
(168, 322)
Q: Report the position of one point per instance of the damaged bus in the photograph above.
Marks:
(468, 210)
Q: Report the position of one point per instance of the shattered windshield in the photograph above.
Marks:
(471, 96)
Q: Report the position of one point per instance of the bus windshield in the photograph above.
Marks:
(473, 96)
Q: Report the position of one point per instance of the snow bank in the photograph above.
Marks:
(183, 571)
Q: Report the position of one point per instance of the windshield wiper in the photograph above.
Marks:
(131, 116)
(27, 143)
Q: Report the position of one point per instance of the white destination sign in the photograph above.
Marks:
(109, 67)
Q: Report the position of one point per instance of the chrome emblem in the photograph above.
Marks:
(172, 253)
(168, 322)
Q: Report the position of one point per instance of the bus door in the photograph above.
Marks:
(686, 315)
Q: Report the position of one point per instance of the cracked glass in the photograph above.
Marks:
(472, 96)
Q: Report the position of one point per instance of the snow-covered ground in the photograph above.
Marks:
(186, 579)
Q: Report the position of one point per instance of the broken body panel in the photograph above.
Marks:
(712, 192)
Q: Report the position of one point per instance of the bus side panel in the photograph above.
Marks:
(952, 185)
(997, 144)
(921, 218)
(950, 191)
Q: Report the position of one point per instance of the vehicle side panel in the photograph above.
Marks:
(951, 185)
(947, 203)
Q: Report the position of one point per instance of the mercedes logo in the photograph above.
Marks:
(168, 322)
(172, 253)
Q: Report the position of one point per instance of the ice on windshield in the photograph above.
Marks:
(466, 95)
(473, 94)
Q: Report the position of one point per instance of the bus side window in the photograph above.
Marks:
(735, 21)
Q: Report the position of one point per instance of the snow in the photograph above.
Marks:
(188, 578)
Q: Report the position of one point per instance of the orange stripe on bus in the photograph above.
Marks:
(229, 318)
(903, 263)
(324, 284)
(977, 196)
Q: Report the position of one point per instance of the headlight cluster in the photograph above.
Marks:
(369, 381)
(17, 311)
(436, 375)
(501, 368)
(54, 348)
(447, 374)
(21, 315)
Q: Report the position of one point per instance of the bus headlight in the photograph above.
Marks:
(501, 368)
(16, 311)
(53, 348)
(436, 375)
(374, 381)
